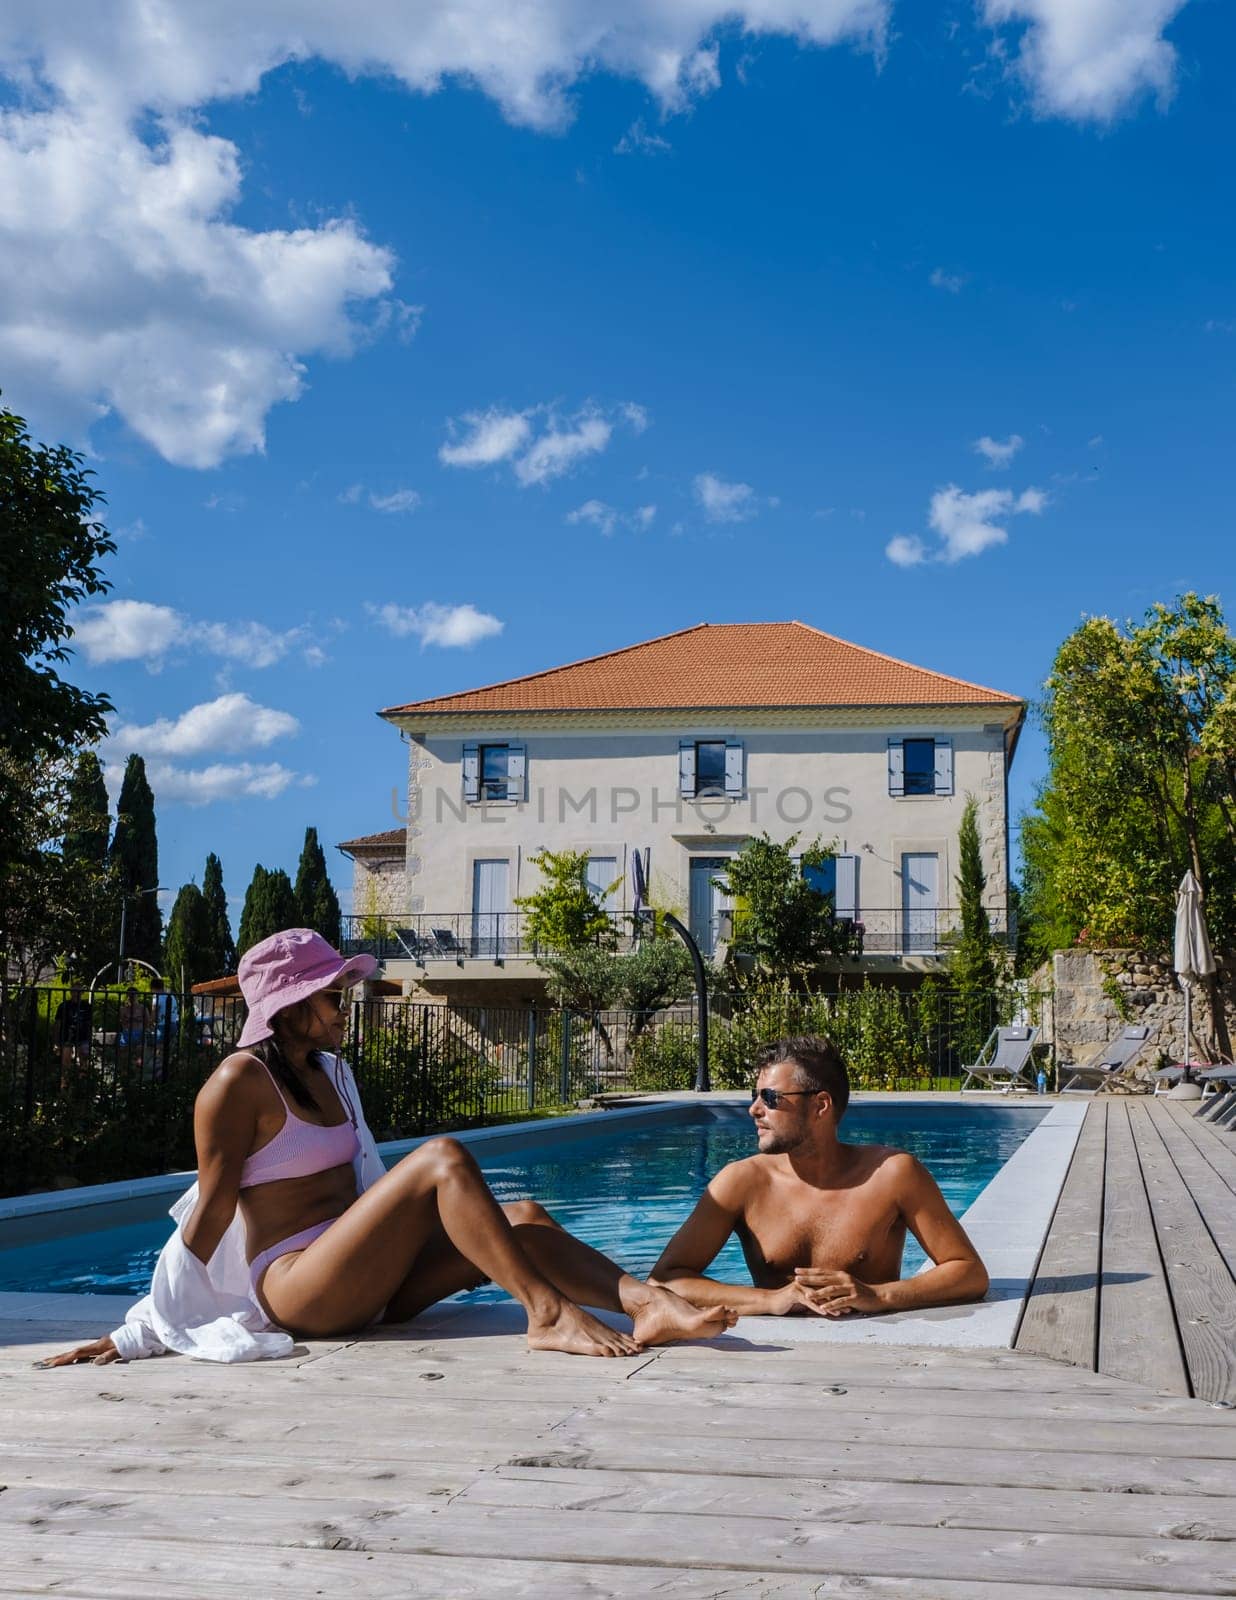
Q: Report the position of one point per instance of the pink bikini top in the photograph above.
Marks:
(300, 1148)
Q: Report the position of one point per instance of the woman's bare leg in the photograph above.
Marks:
(341, 1281)
(574, 1268)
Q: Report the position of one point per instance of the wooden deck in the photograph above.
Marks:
(1137, 1278)
(446, 1460)
(455, 1463)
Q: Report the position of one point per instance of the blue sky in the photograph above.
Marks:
(413, 354)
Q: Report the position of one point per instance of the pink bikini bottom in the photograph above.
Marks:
(298, 1241)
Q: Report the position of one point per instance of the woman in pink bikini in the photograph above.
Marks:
(294, 1226)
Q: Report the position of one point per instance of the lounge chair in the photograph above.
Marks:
(1004, 1061)
(448, 946)
(1117, 1056)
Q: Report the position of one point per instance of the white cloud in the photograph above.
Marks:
(539, 444)
(228, 725)
(127, 630)
(137, 630)
(560, 449)
(1090, 59)
(638, 140)
(968, 524)
(607, 518)
(202, 786)
(722, 501)
(601, 516)
(452, 627)
(395, 503)
(950, 282)
(905, 550)
(494, 435)
(998, 452)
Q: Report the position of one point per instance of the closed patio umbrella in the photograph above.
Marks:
(1192, 957)
(639, 890)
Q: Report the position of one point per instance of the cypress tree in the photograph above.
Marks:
(84, 850)
(135, 857)
(973, 964)
(317, 904)
(187, 956)
(270, 906)
(220, 946)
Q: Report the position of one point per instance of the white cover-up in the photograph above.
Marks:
(209, 1311)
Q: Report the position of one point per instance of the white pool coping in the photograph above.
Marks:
(1007, 1222)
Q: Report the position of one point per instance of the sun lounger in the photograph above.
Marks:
(1117, 1056)
(1004, 1061)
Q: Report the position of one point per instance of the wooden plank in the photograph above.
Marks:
(1161, 1516)
(1213, 1198)
(1215, 1146)
(644, 1539)
(1202, 1289)
(1062, 1310)
(90, 1567)
(1137, 1328)
(610, 1445)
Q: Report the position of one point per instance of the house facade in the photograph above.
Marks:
(678, 750)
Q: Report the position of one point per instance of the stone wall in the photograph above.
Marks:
(1093, 994)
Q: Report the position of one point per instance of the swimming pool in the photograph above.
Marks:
(624, 1188)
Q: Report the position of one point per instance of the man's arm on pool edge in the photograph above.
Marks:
(956, 1276)
(682, 1262)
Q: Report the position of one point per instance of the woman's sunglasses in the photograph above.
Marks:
(341, 999)
(772, 1098)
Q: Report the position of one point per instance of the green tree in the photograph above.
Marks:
(134, 855)
(221, 947)
(270, 906)
(186, 954)
(85, 856)
(783, 927)
(564, 914)
(317, 904)
(51, 547)
(1141, 725)
(972, 963)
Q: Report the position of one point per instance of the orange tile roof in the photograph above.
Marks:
(734, 664)
(376, 841)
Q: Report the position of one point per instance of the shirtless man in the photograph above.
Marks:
(822, 1224)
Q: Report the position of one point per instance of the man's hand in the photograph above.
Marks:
(836, 1294)
(101, 1351)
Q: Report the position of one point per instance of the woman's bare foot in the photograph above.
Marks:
(579, 1333)
(667, 1316)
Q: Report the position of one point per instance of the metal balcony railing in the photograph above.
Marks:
(431, 938)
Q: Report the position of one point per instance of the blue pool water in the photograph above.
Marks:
(624, 1192)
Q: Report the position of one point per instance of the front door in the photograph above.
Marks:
(707, 901)
(491, 905)
(920, 902)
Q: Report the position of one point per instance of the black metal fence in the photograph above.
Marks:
(96, 1087)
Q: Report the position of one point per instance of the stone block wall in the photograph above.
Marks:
(1094, 994)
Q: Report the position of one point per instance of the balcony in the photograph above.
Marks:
(433, 938)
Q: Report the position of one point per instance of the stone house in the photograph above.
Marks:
(679, 750)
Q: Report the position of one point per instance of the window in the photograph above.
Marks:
(493, 772)
(920, 766)
(603, 880)
(710, 768)
(837, 878)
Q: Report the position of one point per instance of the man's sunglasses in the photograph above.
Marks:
(772, 1098)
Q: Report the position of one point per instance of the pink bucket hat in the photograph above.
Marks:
(288, 967)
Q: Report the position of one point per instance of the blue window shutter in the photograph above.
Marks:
(896, 767)
(472, 772)
(686, 768)
(516, 771)
(846, 902)
(733, 767)
(944, 766)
